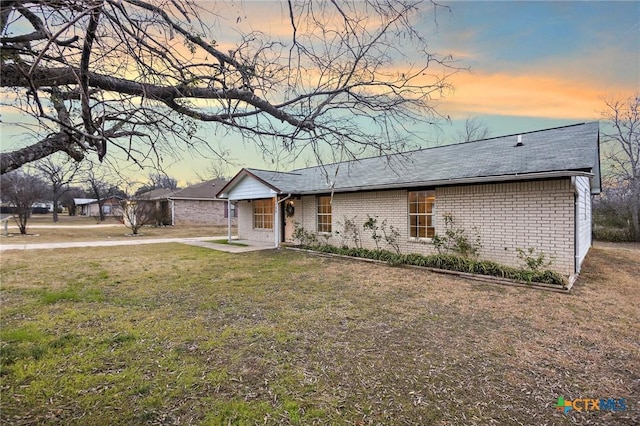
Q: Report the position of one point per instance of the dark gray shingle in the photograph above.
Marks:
(564, 149)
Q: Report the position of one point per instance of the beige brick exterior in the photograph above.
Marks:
(245, 224)
(511, 215)
(199, 212)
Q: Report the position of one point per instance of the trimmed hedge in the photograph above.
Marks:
(447, 262)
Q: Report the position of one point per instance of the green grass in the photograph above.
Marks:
(175, 334)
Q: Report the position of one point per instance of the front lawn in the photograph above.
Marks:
(175, 334)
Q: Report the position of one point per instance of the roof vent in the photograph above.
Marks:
(519, 141)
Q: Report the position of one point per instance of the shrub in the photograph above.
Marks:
(303, 237)
(455, 240)
(350, 232)
(390, 234)
(448, 262)
(612, 234)
(372, 225)
(533, 262)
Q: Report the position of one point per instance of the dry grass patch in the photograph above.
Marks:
(174, 334)
(41, 229)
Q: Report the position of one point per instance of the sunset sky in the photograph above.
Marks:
(531, 65)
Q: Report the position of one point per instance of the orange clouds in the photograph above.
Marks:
(523, 95)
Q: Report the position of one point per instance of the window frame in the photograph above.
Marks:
(426, 198)
(234, 210)
(263, 210)
(322, 225)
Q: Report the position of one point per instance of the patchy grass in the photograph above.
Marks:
(175, 334)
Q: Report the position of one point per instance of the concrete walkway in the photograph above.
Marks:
(194, 241)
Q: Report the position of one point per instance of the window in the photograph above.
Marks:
(234, 211)
(421, 214)
(106, 209)
(324, 214)
(263, 214)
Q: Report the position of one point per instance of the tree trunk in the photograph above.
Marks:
(101, 210)
(22, 222)
(55, 211)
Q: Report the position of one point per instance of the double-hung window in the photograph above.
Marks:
(324, 214)
(263, 214)
(421, 223)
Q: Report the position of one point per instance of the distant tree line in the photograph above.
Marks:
(56, 181)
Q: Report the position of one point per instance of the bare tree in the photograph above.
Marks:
(138, 212)
(158, 180)
(136, 76)
(162, 180)
(59, 173)
(474, 130)
(100, 187)
(22, 190)
(622, 150)
(219, 167)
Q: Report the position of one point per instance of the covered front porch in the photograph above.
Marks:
(266, 214)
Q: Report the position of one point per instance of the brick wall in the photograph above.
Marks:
(199, 212)
(513, 215)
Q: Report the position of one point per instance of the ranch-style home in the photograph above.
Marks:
(194, 205)
(526, 190)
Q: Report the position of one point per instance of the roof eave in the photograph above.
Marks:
(459, 181)
(195, 198)
(223, 193)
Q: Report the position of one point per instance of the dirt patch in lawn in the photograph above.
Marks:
(174, 334)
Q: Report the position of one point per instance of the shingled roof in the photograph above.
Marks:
(562, 151)
(201, 191)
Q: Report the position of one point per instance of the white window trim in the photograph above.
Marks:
(324, 214)
(263, 215)
(433, 218)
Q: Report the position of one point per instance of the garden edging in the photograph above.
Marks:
(477, 277)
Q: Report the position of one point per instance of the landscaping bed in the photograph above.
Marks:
(451, 263)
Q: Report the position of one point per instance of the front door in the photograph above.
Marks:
(291, 208)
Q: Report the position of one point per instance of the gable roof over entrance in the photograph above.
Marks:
(562, 151)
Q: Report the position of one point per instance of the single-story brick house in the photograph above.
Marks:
(194, 205)
(111, 206)
(519, 191)
(159, 199)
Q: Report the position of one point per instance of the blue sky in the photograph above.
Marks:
(532, 65)
(542, 63)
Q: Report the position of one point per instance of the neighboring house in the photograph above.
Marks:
(198, 205)
(89, 206)
(194, 205)
(159, 198)
(519, 191)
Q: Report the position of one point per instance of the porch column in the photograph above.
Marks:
(228, 220)
(276, 222)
